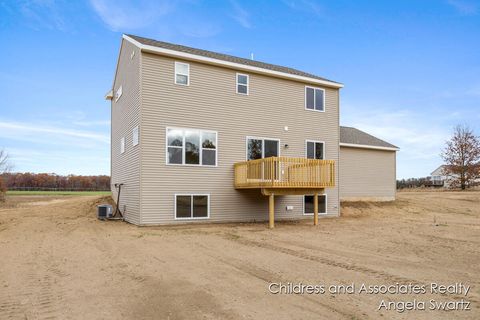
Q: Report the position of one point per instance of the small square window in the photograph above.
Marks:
(242, 83)
(182, 73)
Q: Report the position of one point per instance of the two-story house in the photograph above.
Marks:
(203, 136)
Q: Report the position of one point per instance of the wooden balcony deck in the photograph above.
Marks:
(284, 173)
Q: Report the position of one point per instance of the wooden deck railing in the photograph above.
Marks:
(284, 172)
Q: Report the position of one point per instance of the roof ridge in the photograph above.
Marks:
(229, 57)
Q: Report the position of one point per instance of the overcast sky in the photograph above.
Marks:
(411, 69)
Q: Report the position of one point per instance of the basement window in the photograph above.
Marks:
(308, 204)
(242, 83)
(192, 206)
(315, 99)
(182, 73)
(122, 145)
(135, 136)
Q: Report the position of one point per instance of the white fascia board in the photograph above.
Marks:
(365, 146)
(233, 65)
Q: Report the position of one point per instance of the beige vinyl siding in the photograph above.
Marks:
(367, 174)
(210, 102)
(125, 168)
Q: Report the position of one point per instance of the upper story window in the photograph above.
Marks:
(122, 145)
(258, 148)
(314, 99)
(191, 147)
(135, 136)
(118, 93)
(242, 83)
(315, 150)
(182, 73)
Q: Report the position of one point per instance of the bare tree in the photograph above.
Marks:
(4, 168)
(462, 157)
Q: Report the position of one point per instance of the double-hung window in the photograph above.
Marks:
(314, 99)
(258, 148)
(315, 150)
(242, 83)
(182, 73)
(191, 147)
(192, 206)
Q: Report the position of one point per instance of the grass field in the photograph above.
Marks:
(58, 193)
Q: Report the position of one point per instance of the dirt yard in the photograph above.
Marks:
(58, 261)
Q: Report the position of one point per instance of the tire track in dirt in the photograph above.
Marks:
(269, 277)
(330, 262)
(37, 290)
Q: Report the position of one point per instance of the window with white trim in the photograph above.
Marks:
(191, 147)
(308, 204)
(258, 148)
(314, 99)
(315, 150)
(118, 93)
(135, 136)
(182, 73)
(192, 206)
(122, 145)
(242, 83)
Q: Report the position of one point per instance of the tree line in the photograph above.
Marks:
(51, 181)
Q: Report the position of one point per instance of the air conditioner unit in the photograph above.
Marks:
(104, 211)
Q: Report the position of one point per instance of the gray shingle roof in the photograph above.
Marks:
(355, 136)
(225, 57)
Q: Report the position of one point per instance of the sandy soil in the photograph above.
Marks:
(58, 261)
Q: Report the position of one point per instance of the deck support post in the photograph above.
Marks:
(315, 209)
(271, 211)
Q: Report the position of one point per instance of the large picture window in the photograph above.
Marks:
(192, 206)
(191, 147)
(258, 148)
(308, 204)
(314, 99)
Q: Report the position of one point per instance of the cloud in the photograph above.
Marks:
(39, 14)
(44, 133)
(241, 15)
(128, 15)
(305, 5)
(464, 7)
(86, 123)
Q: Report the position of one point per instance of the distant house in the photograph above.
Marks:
(202, 136)
(438, 178)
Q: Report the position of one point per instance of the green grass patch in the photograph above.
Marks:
(58, 193)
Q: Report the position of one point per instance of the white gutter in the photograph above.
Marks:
(365, 146)
(233, 65)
